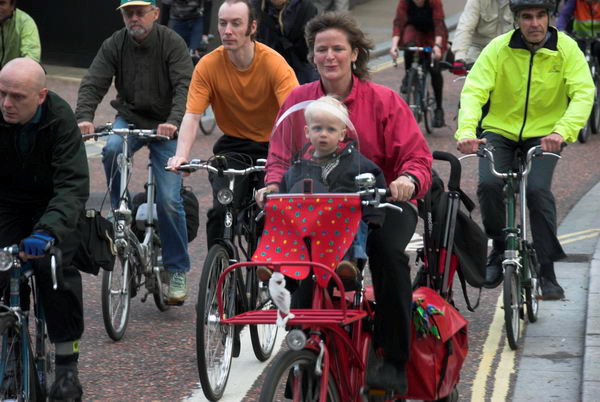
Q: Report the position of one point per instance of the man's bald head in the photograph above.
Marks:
(23, 70)
(22, 90)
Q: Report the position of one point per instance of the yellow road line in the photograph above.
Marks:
(579, 238)
(506, 367)
(382, 66)
(490, 348)
(566, 236)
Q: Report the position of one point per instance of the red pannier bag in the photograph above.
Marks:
(433, 369)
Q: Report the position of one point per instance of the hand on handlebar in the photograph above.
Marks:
(469, 145)
(401, 189)
(552, 143)
(459, 67)
(174, 162)
(86, 127)
(166, 129)
(437, 53)
(36, 245)
(261, 193)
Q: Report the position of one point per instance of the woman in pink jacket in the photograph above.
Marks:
(390, 137)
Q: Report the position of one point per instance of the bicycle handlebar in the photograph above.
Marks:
(197, 164)
(9, 256)
(105, 130)
(533, 152)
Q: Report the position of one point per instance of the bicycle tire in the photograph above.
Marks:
(214, 342)
(13, 385)
(45, 362)
(427, 104)
(263, 337)
(116, 316)
(595, 116)
(299, 368)
(412, 96)
(160, 288)
(533, 292)
(207, 122)
(584, 133)
(512, 306)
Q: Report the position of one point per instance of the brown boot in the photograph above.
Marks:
(347, 270)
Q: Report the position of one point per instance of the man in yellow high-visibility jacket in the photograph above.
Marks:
(540, 91)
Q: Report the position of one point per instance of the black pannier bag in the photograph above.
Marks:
(191, 208)
(449, 229)
(96, 249)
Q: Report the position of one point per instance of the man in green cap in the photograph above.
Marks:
(152, 68)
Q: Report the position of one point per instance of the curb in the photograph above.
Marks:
(590, 379)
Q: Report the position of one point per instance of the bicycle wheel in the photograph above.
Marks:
(512, 305)
(208, 122)
(19, 381)
(413, 94)
(293, 377)
(595, 116)
(160, 278)
(214, 341)
(533, 292)
(116, 289)
(44, 361)
(584, 133)
(427, 104)
(262, 336)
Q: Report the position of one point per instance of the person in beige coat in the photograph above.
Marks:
(480, 22)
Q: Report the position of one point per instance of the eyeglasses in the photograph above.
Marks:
(140, 13)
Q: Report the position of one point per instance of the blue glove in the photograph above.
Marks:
(37, 243)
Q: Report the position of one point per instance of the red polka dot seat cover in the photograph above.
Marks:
(328, 222)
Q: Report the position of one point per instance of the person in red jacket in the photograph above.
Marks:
(421, 23)
(390, 137)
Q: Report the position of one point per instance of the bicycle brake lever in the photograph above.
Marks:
(53, 271)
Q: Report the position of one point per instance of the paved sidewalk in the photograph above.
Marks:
(561, 352)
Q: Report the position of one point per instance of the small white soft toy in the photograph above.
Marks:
(281, 297)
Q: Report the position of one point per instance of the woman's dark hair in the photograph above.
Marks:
(356, 37)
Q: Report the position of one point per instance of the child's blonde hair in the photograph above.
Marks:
(330, 105)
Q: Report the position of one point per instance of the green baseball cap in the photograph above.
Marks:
(125, 3)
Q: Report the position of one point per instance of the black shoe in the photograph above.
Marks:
(388, 376)
(438, 118)
(404, 85)
(493, 271)
(66, 387)
(551, 290)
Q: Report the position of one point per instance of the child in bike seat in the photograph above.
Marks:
(331, 162)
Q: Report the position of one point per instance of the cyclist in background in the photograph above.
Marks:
(540, 92)
(186, 18)
(281, 27)
(43, 191)
(18, 34)
(245, 82)
(421, 23)
(583, 16)
(480, 22)
(151, 67)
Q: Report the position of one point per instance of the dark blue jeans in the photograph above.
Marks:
(190, 30)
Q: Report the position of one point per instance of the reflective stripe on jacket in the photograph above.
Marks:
(531, 94)
(587, 18)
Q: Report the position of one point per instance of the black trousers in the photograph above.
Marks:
(390, 271)
(244, 185)
(540, 200)
(63, 307)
